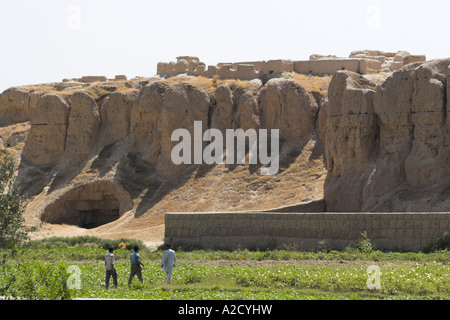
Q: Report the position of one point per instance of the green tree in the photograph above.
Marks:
(12, 232)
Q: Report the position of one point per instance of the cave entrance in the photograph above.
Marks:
(89, 206)
(94, 213)
(94, 218)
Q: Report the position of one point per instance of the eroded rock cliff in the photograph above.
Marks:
(387, 146)
(97, 155)
(100, 153)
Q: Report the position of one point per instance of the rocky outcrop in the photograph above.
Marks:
(162, 107)
(46, 141)
(120, 137)
(363, 143)
(159, 109)
(236, 106)
(351, 139)
(145, 115)
(83, 127)
(373, 61)
(115, 115)
(398, 145)
(17, 105)
(183, 104)
(289, 107)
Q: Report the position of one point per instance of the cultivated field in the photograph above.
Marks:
(42, 270)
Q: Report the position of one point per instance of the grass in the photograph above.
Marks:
(94, 89)
(313, 83)
(242, 274)
(200, 82)
(83, 242)
(193, 280)
(208, 85)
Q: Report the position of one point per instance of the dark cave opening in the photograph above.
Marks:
(90, 214)
(89, 206)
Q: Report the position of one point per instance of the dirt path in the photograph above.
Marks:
(151, 236)
(267, 263)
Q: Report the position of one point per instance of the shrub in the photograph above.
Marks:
(11, 206)
(84, 242)
(35, 280)
(364, 245)
(442, 243)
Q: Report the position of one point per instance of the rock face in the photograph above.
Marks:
(83, 128)
(46, 141)
(183, 104)
(145, 115)
(92, 145)
(236, 107)
(351, 137)
(398, 145)
(115, 116)
(374, 61)
(17, 105)
(161, 108)
(101, 151)
(289, 107)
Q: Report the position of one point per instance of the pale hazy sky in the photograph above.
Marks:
(48, 40)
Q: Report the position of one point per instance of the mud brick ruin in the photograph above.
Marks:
(363, 62)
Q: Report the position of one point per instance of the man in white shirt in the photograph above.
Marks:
(168, 261)
(110, 269)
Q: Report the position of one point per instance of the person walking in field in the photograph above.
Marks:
(136, 264)
(168, 262)
(110, 268)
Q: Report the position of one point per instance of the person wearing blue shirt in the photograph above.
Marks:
(136, 264)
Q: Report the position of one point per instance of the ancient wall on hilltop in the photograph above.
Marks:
(363, 61)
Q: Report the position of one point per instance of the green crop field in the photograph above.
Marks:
(43, 272)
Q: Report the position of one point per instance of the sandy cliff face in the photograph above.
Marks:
(351, 139)
(98, 156)
(388, 146)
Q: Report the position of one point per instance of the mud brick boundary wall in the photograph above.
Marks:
(304, 231)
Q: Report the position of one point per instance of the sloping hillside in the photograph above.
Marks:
(94, 158)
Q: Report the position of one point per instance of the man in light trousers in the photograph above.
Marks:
(110, 268)
(168, 261)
